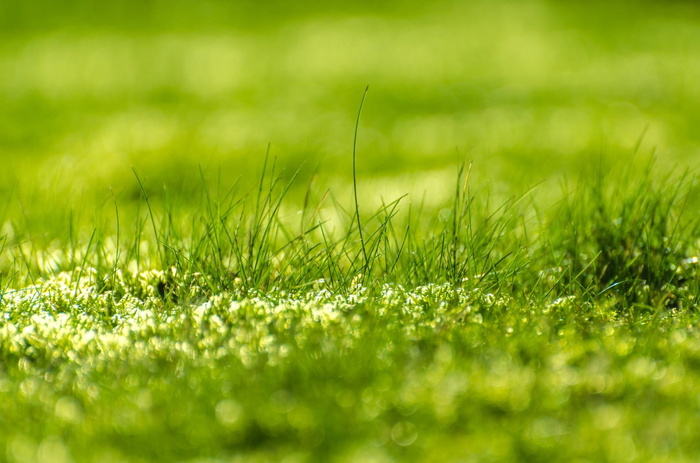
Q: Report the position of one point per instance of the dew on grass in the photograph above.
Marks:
(607, 416)
(404, 433)
(53, 450)
(319, 326)
(229, 412)
(21, 448)
(69, 410)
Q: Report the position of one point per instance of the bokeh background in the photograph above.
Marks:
(531, 91)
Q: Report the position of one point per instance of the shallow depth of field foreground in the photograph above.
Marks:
(208, 256)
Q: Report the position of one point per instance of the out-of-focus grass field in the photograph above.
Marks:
(528, 90)
(164, 298)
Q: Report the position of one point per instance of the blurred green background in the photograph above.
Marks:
(529, 90)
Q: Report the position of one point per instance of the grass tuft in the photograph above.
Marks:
(626, 238)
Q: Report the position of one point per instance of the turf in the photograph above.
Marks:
(208, 254)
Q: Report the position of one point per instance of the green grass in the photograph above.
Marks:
(475, 332)
(198, 263)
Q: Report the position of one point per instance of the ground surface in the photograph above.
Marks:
(520, 285)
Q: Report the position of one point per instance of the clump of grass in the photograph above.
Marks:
(628, 238)
(624, 233)
(467, 243)
(235, 331)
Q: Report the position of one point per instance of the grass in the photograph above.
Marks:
(476, 332)
(495, 267)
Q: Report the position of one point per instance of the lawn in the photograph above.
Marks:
(216, 246)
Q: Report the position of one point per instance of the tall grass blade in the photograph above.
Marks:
(354, 179)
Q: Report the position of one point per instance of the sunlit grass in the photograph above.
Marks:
(184, 276)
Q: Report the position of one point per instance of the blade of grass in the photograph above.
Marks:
(354, 178)
(150, 214)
